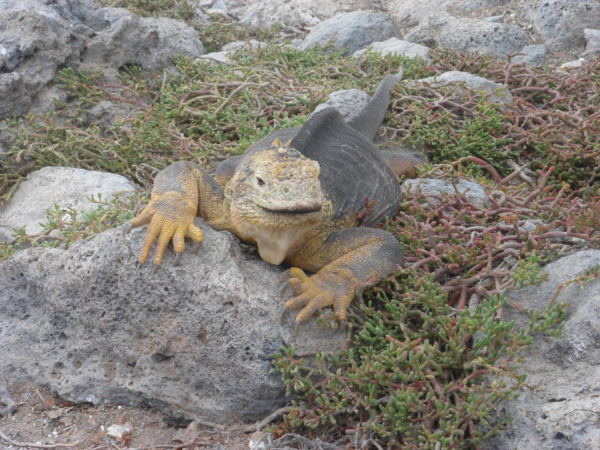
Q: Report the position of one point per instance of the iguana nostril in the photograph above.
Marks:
(286, 190)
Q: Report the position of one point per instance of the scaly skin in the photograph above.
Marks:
(174, 204)
(297, 203)
(346, 260)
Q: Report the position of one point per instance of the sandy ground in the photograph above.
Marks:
(44, 419)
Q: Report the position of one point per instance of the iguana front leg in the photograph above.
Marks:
(180, 193)
(347, 260)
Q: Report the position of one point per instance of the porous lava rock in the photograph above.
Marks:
(192, 340)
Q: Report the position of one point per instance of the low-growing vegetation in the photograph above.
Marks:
(175, 9)
(430, 353)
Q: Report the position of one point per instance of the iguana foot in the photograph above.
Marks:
(7, 404)
(320, 290)
(169, 217)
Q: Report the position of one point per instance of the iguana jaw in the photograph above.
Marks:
(275, 244)
(276, 234)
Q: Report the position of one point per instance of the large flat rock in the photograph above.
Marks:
(193, 340)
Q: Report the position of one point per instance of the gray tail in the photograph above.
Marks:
(368, 120)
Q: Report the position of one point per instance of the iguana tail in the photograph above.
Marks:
(368, 120)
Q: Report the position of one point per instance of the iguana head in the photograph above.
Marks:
(276, 199)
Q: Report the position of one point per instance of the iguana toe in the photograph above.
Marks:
(298, 281)
(340, 307)
(195, 233)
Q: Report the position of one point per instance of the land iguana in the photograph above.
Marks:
(297, 202)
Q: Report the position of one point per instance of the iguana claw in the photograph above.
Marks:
(283, 316)
(285, 275)
(283, 287)
(177, 259)
(127, 228)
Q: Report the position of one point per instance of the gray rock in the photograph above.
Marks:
(467, 6)
(7, 405)
(64, 186)
(395, 45)
(216, 58)
(497, 93)
(561, 410)
(561, 23)
(200, 18)
(571, 65)
(316, 9)
(470, 35)
(123, 38)
(220, 5)
(217, 11)
(295, 44)
(419, 10)
(531, 224)
(235, 46)
(495, 19)
(6, 233)
(430, 27)
(193, 340)
(38, 38)
(535, 55)
(592, 38)
(266, 13)
(250, 20)
(103, 115)
(473, 191)
(46, 98)
(353, 31)
(347, 102)
(35, 40)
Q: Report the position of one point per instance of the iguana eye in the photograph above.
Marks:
(260, 182)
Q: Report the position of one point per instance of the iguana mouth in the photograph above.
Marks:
(294, 209)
